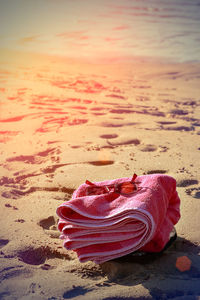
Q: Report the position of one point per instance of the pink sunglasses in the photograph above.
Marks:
(124, 188)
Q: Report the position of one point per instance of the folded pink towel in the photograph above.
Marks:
(113, 223)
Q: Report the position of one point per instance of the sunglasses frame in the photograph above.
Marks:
(116, 186)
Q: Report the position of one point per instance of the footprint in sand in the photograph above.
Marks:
(76, 291)
(166, 122)
(50, 227)
(3, 243)
(34, 288)
(117, 124)
(194, 192)
(179, 112)
(116, 96)
(87, 270)
(121, 111)
(101, 162)
(10, 273)
(32, 256)
(148, 148)
(122, 142)
(186, 182)
(156, 172)
(36, 158)
(109, 136)
(38, 255)
(178, 128)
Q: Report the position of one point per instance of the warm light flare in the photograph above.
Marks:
(104, 155)
(183, 263)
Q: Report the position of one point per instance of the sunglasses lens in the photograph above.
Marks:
(127, 188)
(95, 190)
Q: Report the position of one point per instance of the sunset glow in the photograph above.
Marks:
(101, 29)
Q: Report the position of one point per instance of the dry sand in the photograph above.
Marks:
(64, 122)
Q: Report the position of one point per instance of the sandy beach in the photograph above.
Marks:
(64, 122)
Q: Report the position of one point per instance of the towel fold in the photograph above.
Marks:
(106, 226)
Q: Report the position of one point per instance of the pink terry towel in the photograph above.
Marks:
(114, 223)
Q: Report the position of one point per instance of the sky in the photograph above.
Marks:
(102, 28)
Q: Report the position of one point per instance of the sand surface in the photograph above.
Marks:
(63, 122)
